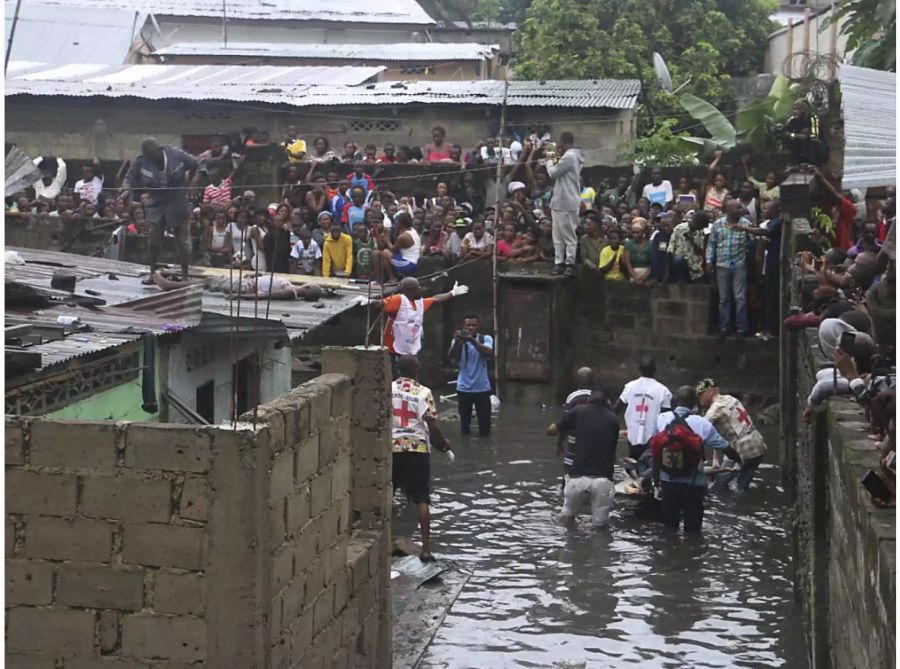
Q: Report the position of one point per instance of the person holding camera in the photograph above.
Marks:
(473, 384)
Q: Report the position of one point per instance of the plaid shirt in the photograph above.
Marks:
(727, 247)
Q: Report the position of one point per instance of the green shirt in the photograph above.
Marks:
(590, 250)
(640, 255)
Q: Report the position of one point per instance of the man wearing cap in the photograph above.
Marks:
(746, 446)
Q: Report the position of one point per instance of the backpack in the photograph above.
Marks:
(677, 450)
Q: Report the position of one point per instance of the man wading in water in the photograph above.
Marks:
(596, 430)
(414, 428)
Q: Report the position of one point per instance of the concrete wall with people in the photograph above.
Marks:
(160, 545)
(72, 127)
(844, 545)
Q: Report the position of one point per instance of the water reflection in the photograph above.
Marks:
(633, 594)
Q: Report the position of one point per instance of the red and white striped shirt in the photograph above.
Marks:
(218, 195)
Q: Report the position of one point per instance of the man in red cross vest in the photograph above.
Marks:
(746, 446)
(414, 428)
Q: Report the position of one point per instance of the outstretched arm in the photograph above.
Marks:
(454, 292)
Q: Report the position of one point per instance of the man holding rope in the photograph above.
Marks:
(406, 313)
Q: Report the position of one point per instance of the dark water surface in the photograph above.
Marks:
(631, 595)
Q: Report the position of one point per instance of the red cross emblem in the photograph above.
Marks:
(744, 417)
(642, 408)
(404, 414)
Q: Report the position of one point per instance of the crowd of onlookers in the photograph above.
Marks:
(338, 215)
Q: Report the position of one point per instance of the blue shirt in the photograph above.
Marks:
(473, 370)
(706, 432)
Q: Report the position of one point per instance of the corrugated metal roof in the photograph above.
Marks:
(127, 291)
(294, 86)
(592, 93)
(419, 51)
(384, 11)
(187, 82)
(63, 33)
(869, 104)
(77, 345)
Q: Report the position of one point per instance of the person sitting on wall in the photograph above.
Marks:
(802, 136)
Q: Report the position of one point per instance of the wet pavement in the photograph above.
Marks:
(632, 594)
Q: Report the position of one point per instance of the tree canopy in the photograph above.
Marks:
(871, 29)
(704, 41)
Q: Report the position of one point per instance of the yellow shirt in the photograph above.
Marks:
(337, 252)
(606, 255)
(296, 150)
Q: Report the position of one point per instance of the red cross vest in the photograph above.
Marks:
(407, 327)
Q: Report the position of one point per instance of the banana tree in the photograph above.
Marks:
(722, 132)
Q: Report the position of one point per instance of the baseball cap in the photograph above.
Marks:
(705, 385)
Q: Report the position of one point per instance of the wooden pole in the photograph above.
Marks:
(498, 198)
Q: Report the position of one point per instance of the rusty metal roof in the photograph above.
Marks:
(869, 104)
(384, 11)
(242, 83)
(153, 309)
(414, 51)
(286, 85)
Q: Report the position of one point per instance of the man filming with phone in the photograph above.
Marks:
(473, 384)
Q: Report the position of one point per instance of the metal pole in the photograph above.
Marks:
(496, 281)
(12, 34)
(224, 26)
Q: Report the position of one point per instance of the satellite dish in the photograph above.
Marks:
(663, 76)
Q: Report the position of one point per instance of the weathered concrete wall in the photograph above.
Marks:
(140, 545)
(844, 546)
(66, 127)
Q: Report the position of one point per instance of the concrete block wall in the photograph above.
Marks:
(844, 546)
(139, 545)
(107, 543)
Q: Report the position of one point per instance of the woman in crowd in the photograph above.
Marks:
(240, 236)
(716, 192)
(219, 242)
(685, 195)
(636, 256)
(322, 152)
(258, 232)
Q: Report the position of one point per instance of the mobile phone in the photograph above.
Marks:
(848, 342)
(876, 487)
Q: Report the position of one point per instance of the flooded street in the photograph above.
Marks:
(633, 594)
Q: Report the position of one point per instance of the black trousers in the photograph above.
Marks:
(772, 300)
(682, 501)
(482, 404)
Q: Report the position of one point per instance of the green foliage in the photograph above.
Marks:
(755, 121)
(720, 130)
(663, 147)
(708, 41)
(871, 29)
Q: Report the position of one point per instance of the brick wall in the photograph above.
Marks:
(138, 545)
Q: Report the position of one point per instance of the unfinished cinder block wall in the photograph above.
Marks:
(148, 545)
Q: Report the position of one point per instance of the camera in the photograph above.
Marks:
(779, 128)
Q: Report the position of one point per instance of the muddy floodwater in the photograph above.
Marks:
(630, 595)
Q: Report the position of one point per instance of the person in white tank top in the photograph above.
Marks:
(400, 258)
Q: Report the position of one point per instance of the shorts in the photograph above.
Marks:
(402, 266)
(599, 491)
(411, 472)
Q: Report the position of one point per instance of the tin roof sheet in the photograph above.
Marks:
(384, 11)
(245, 83)
(65, 33)
(418, 51)
(870, 127)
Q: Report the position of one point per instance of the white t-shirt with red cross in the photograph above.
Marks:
(645, 399)
(411, 404)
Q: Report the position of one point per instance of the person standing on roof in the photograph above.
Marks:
(166, 173)
(565, 203)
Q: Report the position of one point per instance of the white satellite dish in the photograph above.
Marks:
(663, 76)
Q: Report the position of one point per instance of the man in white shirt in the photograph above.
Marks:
(659, 190)
(91, 183)
(414, 427)
(642, 400)
(49, 185)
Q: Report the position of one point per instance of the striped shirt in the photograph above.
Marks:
(218, 195)
(727, 247)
